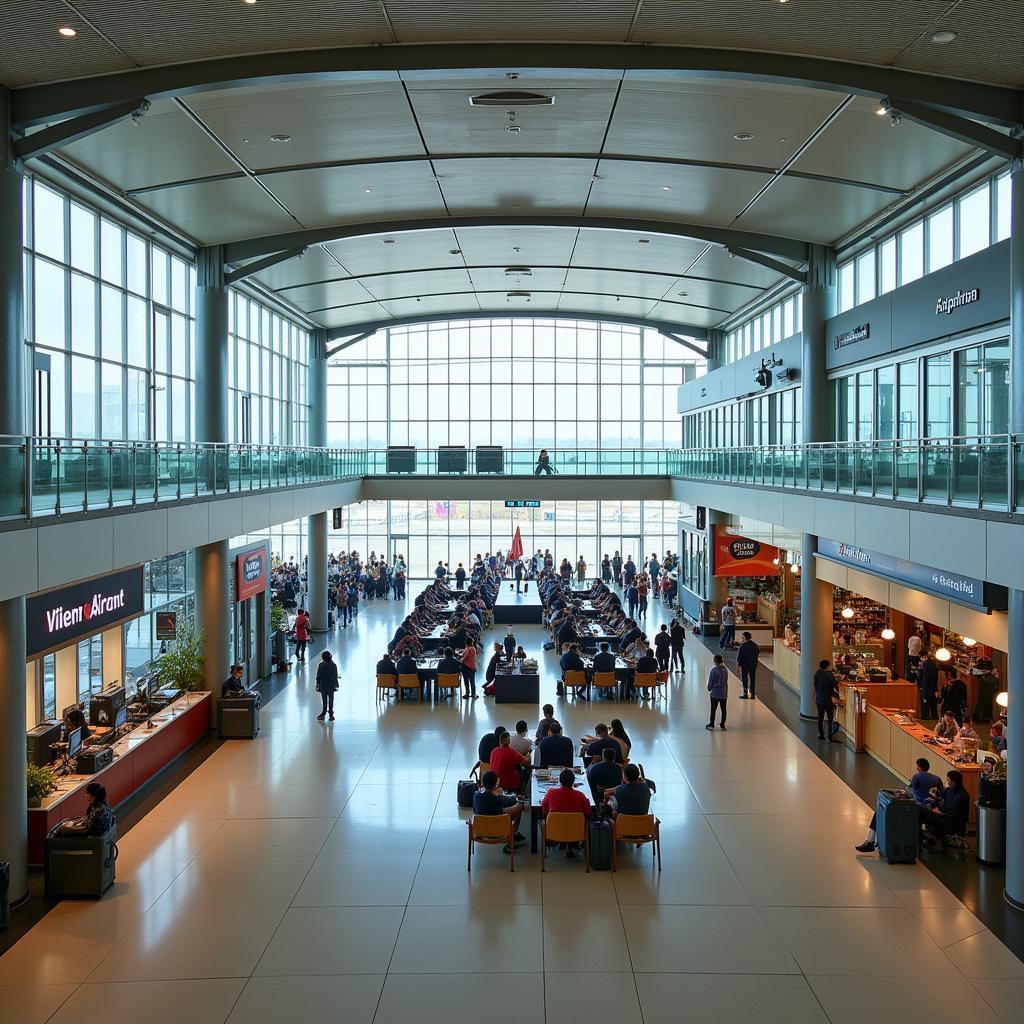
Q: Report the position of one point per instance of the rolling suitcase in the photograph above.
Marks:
(600, 844)
(467, 787)
(897, 826)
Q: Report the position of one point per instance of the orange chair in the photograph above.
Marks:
(661, 681)
(450, 681)
(384, 684)
(643, 681)
(574, 680)
(564, 827)
(491, 829)
(409, 681)
(636, 829)
(607, 681)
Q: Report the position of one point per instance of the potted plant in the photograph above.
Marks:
(39, 782)
(181, 667)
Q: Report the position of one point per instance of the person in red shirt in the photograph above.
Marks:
(301, 634)
(505, 760)
(564, 797)
(468, 660)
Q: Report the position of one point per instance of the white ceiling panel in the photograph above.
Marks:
(679, 314)
(618, 282)
(696, 120)
(711, 294)
(337, 195)
(515, 186)
(717, 265)
(701, 195)
(574, 124)
(494, 278)
(863, 146)
(615, 305)
(219, 211)
(817, 211)
(332, 121)
(538, 300)
(423, 282)
(408, 250)
(324, 294)
(315, 265)
(165, 146)
(430, 304)
(621, 249)
(517, 245)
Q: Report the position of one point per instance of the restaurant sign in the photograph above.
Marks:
(953, 586)
(252, 574)
(742, 556)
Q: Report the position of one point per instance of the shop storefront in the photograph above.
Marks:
(250, 625)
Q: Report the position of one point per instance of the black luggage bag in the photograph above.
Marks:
(600, 844)
(897, 826)
(467, 787)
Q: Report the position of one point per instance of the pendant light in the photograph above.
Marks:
(847, 612)
(942, 654)
(1003, 699)
(794, 568)
(888, 633)
(969, 641)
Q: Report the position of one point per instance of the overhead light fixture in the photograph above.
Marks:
(387, 241)
(943, 36)
(67, 31)
(518, 272)
(511, 75)
(280, 138)
(513, 129)
(794, 569)
(744, 136)
(942, 654)
(683, 295)
(666, 188)
(252, 2)
(512, 99)
(454, 252)
(367, 189)
(969, 641)
(1003, 699)
(643, 241)
(888, 633)
(882, 111)
(847, 612)
(517, 295)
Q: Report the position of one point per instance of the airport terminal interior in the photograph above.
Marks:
(511, 512)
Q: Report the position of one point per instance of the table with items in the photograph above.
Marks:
(541, 780)
(517, 682)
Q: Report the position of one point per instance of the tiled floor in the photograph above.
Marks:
(318, 873)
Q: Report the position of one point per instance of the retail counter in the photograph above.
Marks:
(898, 746)
(890, 695)
(761, 633)
(137, 758)
(787, 664)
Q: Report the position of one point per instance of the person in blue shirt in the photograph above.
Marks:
(718, 690)
(604, 775)
(491, 799)
(633, 796)
(950, 817)
(555, 749)
(926, 789)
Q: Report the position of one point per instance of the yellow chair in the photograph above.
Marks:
(493, 830)
(607, 681)
(409, 681)
(644, 681)
(574, 680)
(637, 829)
(564, 827)
(450, 681)
(385, 683)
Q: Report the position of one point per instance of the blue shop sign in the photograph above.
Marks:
(953, 586)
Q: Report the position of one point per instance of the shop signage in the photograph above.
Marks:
(166, 625)
(337, 522)
(859, 333)
(252, 574)
(953, 586)
(522, 503)
(58, 617)
(950, 302)
(742, 556)
(702, 517)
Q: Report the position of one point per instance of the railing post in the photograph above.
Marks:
(135, 466)
(56, 497)
(28, 471)
(110, 474)
(156, 472)
(85, 477)
(179, 471)
(1011, 473)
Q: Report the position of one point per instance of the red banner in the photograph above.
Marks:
(741, 556)
(516, 551)
(251, 575)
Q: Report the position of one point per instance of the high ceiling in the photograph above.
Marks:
(616, 198)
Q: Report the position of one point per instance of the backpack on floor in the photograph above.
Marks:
(467, 787)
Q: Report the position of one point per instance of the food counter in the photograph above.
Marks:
(761, 633)
(899, 744)
(890, 695)
(786, 664)
(138, 756)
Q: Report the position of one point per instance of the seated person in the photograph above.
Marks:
(950, 817)
(947, 730)
(604, 660)
(75, 718)
(604, 775)
(555, 749)
(566, 798)
(570, 662)
(98, 818)
(387, 667)
(506, 761)
(521, 741)
(602, 741)
(489, 744)
(967, 730)
(997, 737)
(632, 633)
(925, 786)
(489, 799)
(633, 796)
(567, 633)
(544, 726)
(449, 664)
(407, 667)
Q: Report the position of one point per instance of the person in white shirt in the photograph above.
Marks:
(520, 741)
(913, 655)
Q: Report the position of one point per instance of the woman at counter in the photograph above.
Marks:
(98, 818)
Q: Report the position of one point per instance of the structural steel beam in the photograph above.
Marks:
(348, 343)
(241, 273)
(63, 134)
(959, 128)
(251, 248)
(39, 104)
(371, 326)
(766, 261)
(686, 343)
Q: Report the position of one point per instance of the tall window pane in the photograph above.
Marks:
(866, 276)
(940, 239)
(973, 221)
(912, 253)
(887, 265)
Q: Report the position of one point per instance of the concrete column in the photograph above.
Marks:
(718, 589)
(316, 390)
(13, 798)
(1015, 630)
(212, 560)
(316, 567)
(819, 303)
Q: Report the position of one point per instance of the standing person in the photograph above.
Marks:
(718, 689)
(928, 684)
(617, 568)
(643, 588)
(663, 647)
(913, 655)
(509, 643)
(606, 569)
(351, 603)
(628, 570)
(746, 658)
(826, 693)
(468, 660)
(954, 697)
(728, 638)
(581, 570)
(440, 572)
(654, 568)
(326, 684)
(632, 596)
(301, 634)
(677, 631)
(518, 573)
(543, 463)
(460, 577)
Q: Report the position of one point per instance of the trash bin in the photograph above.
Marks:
(80, 867)
(238, 718)
(991, 834)
(280, 652)
(5, 894)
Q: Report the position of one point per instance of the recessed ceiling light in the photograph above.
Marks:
(666, 188)
(881, 111)
(783, 1)
(251, 2)
(280, 138)
(682, 294)
(943, 36)
(367, 189)
(454, 252)
(744, 136)
(67, 31)
(644, 241)
(387, 241)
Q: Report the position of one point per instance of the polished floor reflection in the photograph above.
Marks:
(318, 873)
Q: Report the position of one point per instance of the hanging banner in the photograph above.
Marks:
(252, 574)
(741, 556)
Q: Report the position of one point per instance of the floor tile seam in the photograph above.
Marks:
(977, 988)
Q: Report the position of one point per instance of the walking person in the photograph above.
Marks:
(301, 634)
(519, 573)
(632, 598)
(326, 684)
(826, 694)
(617, 568)
(468, 660)
(728, 616)
(677, 632)
(718, 690)
(351, 604)
(746, 658)
(543, 463)
(663, 647)
(643, 588)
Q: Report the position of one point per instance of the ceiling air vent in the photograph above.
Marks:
(511, 99)
(517, 295)
(518, 272)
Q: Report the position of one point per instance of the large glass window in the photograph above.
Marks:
(885, 398)
(938, 395)
(908, 399)
(940, 239)
(973, 221)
